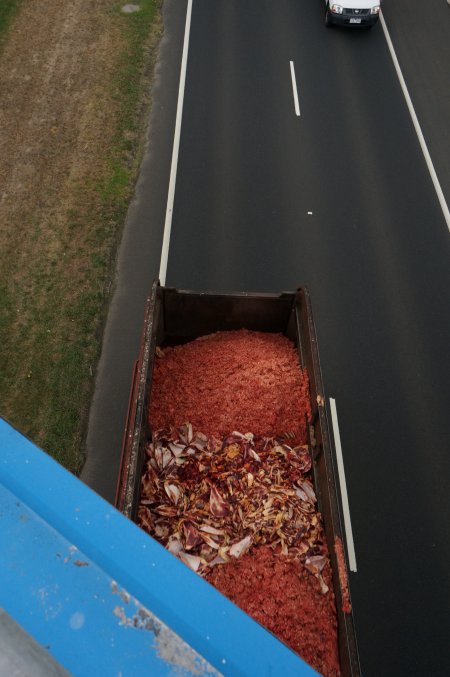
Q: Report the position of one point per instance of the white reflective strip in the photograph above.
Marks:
(343, 485)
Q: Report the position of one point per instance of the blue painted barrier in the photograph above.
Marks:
(102, 596)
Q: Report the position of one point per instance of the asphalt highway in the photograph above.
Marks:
(339, 199)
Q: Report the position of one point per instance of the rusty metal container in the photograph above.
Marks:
(176, 316)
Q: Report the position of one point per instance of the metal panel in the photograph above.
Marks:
(101, 596)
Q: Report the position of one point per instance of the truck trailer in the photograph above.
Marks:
(176, 317)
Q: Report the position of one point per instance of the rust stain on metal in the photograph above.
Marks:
(123, 594)
(169, 646)
(343, 577)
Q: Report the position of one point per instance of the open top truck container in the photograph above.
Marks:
(177, 316)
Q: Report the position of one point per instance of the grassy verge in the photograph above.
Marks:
(8, 9)
(54, 295)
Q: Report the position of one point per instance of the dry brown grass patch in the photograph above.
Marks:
(65, 178)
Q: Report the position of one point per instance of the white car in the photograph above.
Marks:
(355, 13)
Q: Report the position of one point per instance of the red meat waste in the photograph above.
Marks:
(249, 382)
(285, 598)
(238, 380)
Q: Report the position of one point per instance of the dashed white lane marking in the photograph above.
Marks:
(294, 89)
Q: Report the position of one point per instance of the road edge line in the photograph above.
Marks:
(175, 151)
(420, 136)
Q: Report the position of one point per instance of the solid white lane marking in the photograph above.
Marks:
(294, 89)
(175, 151)
(420, 136)
(343, 485)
